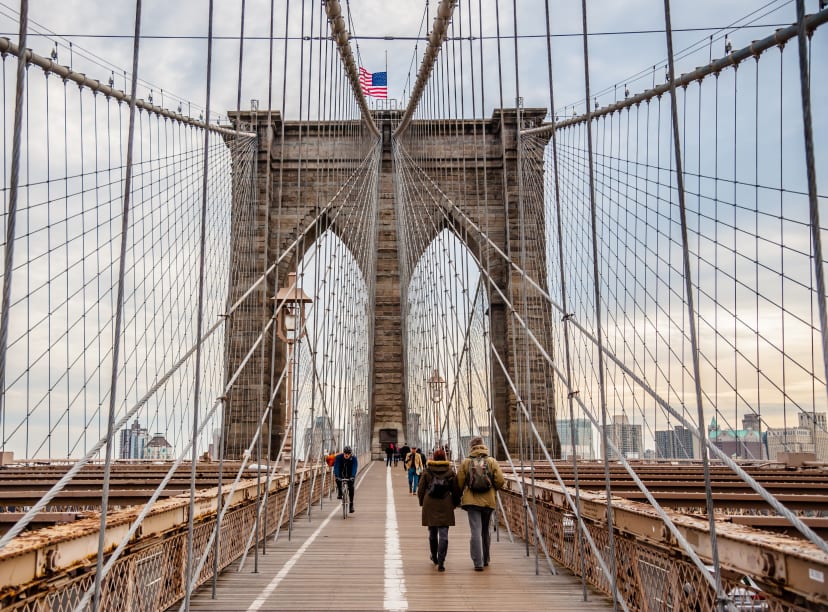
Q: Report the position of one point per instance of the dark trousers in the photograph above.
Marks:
(389, 457)
(350, 482)
(438, 543)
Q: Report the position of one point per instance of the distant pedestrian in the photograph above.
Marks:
(479, 477)
(403, 452)
(439, 495)
(389, 454)
(414, 463)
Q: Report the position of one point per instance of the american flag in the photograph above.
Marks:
(374, 84)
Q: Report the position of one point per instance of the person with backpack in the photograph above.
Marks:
(479, 477)
(414, 464)
(439, 495)
(403, 452)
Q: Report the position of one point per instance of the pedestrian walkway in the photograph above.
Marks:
(378, 559)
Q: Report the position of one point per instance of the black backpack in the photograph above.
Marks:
(439, 486)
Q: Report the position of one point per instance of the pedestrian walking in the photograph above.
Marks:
(414, 463)
(479, 477)
(403, 452)
(439, 495)
(389, 454)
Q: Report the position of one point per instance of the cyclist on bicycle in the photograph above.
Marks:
(345, 468)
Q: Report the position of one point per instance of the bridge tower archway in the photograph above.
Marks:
(290, 209)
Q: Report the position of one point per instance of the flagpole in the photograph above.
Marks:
(386, 78)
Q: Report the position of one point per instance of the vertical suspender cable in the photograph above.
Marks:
(810, 167)
(691, 312)
(597, 296)
(527, 375)
(116, 334)
(12, 209)
(200, 320)
(267, 203)
(564, 300)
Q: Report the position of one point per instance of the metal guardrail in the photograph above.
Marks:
(653, 571)
(51, 569)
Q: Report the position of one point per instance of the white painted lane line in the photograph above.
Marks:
(395, 598)
(268, 590)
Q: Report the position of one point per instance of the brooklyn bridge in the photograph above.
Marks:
(603, 258)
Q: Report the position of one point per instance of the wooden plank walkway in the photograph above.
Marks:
(378, 559)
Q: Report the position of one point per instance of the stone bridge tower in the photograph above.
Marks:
(308, 147)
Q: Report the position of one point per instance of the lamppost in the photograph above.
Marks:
(436, 385)
(290, 327)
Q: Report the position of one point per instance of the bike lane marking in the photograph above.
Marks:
(268, 590)
(394, 598)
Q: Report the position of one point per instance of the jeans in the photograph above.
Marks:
(413, 479)
(479, 518)
(388, 459)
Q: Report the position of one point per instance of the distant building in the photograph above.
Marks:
(321, 437)
(675, 443)
(214, 449)
(582, 432)
(413, 434)
(626, 437)
(752, 421)
(808, 437)
(813, 419)
(133, 442)
(737, 443)
(158, 449)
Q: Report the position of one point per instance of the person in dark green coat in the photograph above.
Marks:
(439, 495)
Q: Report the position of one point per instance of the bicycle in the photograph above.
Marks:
(346, 495)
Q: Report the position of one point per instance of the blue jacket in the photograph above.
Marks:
(345, 468)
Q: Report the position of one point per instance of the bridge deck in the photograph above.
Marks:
(331, 563)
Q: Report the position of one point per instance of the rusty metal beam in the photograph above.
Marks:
(788, 564)
(45, 553)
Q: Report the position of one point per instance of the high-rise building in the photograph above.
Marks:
(675, 443)
(413, 434)
(751, 420)
(581, 430)
(626, 436)
(133, 442)
(321, 437)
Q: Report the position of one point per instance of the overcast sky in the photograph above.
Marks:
(627, 46)
(177, 65)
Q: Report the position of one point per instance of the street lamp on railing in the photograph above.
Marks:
(289, 311)
(436, 387)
